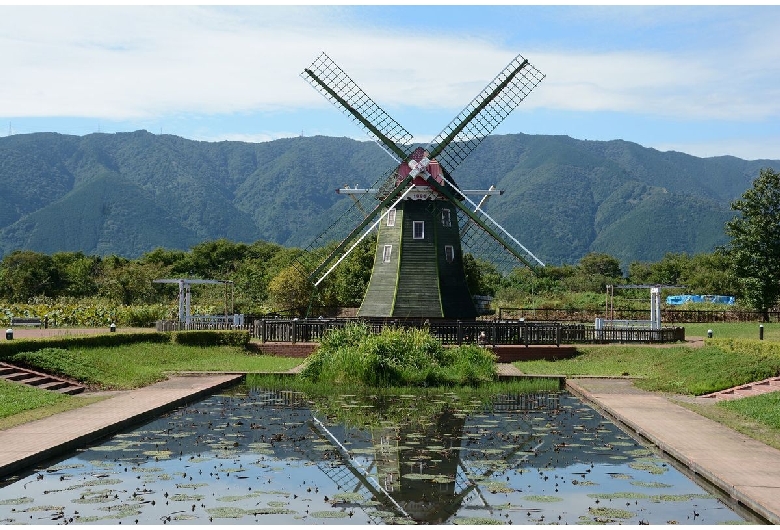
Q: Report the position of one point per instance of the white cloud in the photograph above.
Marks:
(146, 63)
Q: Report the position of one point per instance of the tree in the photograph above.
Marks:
(754, 248)
(600, 264)
(25, 274)
(290, 291)
(482, 277)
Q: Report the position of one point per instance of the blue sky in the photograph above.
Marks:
(703, 80)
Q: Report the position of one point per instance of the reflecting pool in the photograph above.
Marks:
(276, 457)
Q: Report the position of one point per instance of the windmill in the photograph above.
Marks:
(425, 220)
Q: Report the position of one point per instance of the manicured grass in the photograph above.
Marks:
(15, 398)
(764, 408)
(21, 404)
(734, 330)
(137, 365)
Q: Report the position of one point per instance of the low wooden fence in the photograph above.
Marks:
(468, 332)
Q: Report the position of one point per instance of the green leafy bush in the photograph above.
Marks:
(396, 357)
(238, 339)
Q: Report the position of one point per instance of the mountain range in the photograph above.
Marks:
(129, 193)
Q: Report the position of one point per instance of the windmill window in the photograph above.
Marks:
(418, 231)
(391, 217)
(386, 253)
(445, 218)
(449, 253)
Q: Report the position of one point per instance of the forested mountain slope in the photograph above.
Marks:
(128, 193)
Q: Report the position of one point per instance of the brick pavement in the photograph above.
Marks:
(31, 443)
(741, 467)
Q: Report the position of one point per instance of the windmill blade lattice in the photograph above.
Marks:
(338, 88)
(485, 112)
(490, 249)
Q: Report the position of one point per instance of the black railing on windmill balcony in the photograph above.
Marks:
(489, 333)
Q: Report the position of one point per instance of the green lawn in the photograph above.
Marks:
(137, 365)
(734, 330)
(118, 367)
(15, 398)
(21, 404)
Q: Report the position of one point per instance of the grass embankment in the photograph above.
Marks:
(137, 365)
(118, 368)
(21, 404)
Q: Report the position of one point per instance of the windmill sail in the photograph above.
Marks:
(338, 88)
(484, 113)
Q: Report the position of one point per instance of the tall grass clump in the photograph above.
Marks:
(354, 355)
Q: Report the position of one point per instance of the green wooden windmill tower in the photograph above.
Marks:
(424, 219)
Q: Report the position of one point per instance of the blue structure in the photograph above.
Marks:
(679, 299)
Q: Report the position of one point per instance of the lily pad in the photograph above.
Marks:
(329, 514)
(543, 498)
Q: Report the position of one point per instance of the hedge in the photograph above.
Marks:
(239, 339)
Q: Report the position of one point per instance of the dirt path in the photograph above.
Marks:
(28, 332)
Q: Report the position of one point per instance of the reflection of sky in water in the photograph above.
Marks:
(232, 459)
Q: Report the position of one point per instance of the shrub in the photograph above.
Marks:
(211, 338)
(9, 348)
(395, 357)
(238, 339)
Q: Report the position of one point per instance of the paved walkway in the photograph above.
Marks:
(34, 442)
(743, 468)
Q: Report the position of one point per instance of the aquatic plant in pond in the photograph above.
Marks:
(279, 457)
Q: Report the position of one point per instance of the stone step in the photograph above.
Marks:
(18, 376)
(771, 384)
(40, 380)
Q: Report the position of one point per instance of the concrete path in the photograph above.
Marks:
(34, 442)
(743, 468)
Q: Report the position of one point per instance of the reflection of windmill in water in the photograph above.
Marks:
(425, 473)
(426, 222)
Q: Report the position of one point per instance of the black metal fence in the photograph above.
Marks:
(668, 316)
(473, 331)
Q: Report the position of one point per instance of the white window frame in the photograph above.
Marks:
(449, 253)
(446, 217)
(391, 217)
(387, 253)
(415, 225)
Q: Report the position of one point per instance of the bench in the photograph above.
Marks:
(25, 322)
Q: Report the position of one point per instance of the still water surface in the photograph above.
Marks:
(256, 456)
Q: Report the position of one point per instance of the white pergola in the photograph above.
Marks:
(185, 295)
